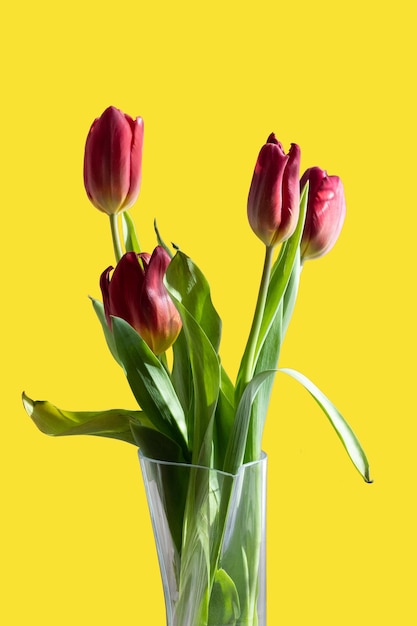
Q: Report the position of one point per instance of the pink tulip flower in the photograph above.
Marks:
(136, 293)
(326, 210)
(274, 195)
(113, 161)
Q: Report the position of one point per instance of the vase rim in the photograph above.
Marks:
(263, 459)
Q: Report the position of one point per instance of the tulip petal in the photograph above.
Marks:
(136, 148)
(265, 193)
(290, 195)
(104, 286)
(125, 289)
(325, 213)
(274, 193)
(160, 321)
(113, 161)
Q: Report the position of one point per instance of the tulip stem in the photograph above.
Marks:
(257, 318)
(115, 236)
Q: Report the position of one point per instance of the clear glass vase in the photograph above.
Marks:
(209, 529)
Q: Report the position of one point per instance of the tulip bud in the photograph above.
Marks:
(274, 195)
(113, 161)
(326, 210)
(137, 294)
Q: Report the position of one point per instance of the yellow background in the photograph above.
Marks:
(211, 80)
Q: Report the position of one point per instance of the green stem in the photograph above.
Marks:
(251, 346)
(115, 237)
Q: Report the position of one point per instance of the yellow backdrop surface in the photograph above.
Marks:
(211, 81)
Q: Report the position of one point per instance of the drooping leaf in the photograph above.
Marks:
(53, 421)
(342, 428)
(150, 383)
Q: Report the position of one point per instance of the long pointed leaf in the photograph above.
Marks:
(342, 428)
(224, 418)
(237, 444)
(129, 233)
(53, 421)
(201, 325)
(267, 361)
(190, 287)
(150, 383)
(206, 385)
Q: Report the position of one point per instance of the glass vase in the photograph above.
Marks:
(209, 529)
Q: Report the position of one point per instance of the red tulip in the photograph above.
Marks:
(113, 161)
(326, 210)
(137, 294)
(274, 195)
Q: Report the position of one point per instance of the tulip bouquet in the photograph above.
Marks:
(199, 427)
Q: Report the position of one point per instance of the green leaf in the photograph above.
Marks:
(187, 284)
(201, 325)
(205, 368)
(224, 607)
(160, 241)
(129, 234)
(99, 309)
(224, 419)
(237, 443)
(267, 361)
(342, 428)
(172, 476)
(150, 383)
(290, 295)
(53, 421)
(155, 445)
(186, 279)
(182, 378)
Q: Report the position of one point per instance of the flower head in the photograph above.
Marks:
(113, 161)
(137, 294)
(326, 210)
(274, 195)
